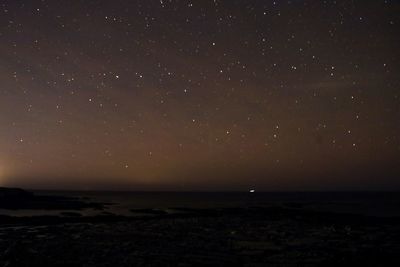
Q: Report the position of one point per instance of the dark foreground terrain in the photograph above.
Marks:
(274, 236)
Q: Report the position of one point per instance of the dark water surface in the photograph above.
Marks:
(366, 203)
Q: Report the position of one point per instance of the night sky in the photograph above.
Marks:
(200, 95)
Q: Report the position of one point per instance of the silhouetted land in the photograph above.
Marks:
(250, 236)
(15, 198)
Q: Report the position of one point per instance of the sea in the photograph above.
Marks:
(380, 204)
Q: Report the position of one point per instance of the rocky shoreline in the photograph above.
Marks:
(202, 237)
(287, 235)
